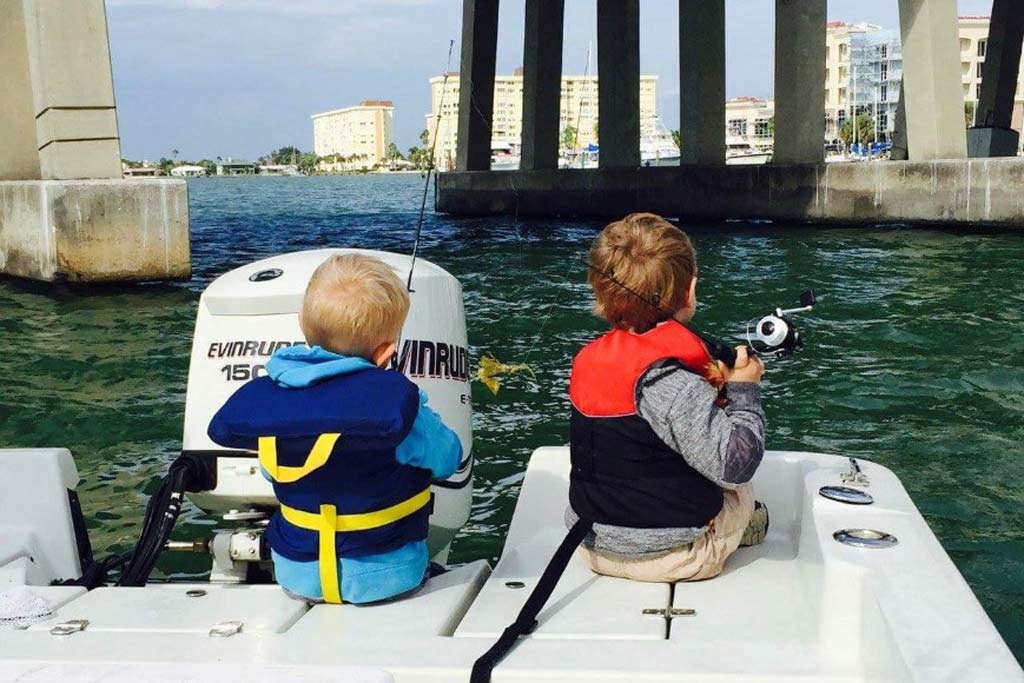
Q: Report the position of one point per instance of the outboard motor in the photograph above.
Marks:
(247, 314)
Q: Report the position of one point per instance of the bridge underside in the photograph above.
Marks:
(946, 192)
(953, 176)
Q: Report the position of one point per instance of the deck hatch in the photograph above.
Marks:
(865, 538)
(847, 495)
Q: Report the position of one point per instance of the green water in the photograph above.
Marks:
(913, 357)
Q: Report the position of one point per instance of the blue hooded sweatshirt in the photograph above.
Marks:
(430, 445)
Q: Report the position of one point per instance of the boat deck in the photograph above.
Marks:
(800, 606)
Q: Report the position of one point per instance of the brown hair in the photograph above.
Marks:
(353, 304)
(640, 270)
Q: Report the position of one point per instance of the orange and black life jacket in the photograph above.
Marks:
(622, 473)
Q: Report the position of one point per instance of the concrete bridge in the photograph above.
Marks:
(942, 173)
(65, 211)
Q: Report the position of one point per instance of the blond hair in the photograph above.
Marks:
(353, 304)
(640, 270)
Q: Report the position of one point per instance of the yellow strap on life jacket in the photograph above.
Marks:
(327, 523)
(328, 555)
(283, 474)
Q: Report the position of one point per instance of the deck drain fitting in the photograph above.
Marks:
(68, 627)
(226, 629)
(195, 593)
(670, 613)
(865, 538)
(266, 275)
(515, 584)
(846, 494)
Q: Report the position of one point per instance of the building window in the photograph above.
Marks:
(884, 92)
(762, 128)
(885, 71)
(982, 44)
(884, 51)
(977, 91)
(977, 69)
(737, 127)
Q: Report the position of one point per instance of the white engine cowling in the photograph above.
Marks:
(248, 313)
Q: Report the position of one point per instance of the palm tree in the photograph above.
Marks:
(969, 110)
(865, 130)
(568, 138)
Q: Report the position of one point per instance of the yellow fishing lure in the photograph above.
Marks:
(490, 368)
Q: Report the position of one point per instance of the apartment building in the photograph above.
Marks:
(864, 67)
(357, 136)
(973, 42)
(578, 111)
(863, 70)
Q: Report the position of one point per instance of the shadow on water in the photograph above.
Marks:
(912, 357)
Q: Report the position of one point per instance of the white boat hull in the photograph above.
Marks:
(801, 606)
(748, 159)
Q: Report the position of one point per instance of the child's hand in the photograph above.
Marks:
(745, 369)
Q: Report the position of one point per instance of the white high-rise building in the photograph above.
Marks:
(863, 69)
(355, 137)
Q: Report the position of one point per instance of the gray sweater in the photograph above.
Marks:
(723, 444)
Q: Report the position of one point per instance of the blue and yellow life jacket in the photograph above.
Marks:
(329, 450)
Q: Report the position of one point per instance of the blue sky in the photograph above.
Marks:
(241, 77)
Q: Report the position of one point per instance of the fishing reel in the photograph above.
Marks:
(775, 333)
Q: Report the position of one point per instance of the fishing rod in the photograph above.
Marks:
(772, 334)
(430, 167)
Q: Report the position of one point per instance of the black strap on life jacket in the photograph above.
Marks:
(526, 622)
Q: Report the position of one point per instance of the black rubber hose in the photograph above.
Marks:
(187, 473)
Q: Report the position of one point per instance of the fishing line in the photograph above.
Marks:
(579, 114)
(430, 166)
(654, 301)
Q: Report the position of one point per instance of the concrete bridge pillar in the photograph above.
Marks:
(542, 84)
(899, 130)
(800, 54)
(992, 135)
(702, 81)
(58, 77)
(618, 93)
(933, 94)
(65, 212)
(476, 84)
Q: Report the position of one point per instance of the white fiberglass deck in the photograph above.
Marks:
(799, 607)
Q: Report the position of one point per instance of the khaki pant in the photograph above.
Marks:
(702, 559)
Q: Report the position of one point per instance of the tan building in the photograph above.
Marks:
(973, 41)
(578, 112)
(355, 137)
